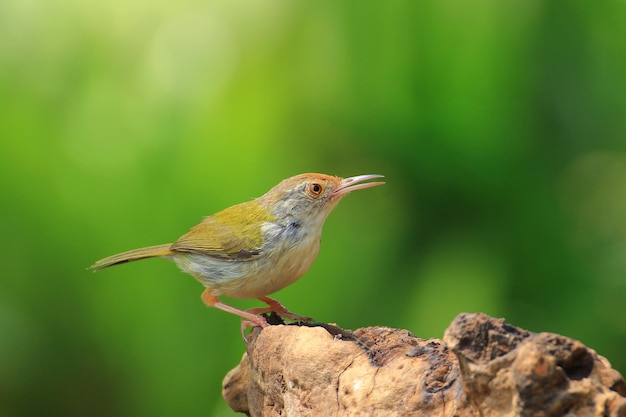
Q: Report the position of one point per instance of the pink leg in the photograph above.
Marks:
(211, 300)
(276, 307)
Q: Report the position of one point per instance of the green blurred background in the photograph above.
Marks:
(500, 128)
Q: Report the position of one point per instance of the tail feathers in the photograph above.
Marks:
(132, 255)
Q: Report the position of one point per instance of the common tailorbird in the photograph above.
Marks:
(254, 249)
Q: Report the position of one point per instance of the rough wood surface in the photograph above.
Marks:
(483, 367)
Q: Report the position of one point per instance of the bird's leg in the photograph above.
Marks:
(276, 307)
(253, 319)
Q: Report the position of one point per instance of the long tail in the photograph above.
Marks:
(132, 255)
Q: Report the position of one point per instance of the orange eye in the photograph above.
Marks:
(315, 188)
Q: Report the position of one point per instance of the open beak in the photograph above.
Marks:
(356, 183)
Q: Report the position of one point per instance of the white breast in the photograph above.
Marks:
(287, 255)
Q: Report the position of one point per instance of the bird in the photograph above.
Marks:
(253, 249)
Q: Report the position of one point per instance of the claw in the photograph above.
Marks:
(274, 306)
(249, 323)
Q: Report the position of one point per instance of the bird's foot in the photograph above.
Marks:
(275, 306)
(259, 321)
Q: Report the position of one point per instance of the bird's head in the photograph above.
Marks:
(309, 198)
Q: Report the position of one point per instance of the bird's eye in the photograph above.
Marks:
(315, 188)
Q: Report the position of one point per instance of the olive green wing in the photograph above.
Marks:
(231, 234)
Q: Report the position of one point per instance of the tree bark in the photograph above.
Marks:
(483, 367)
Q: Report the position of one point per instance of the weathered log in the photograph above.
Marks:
(483, 367)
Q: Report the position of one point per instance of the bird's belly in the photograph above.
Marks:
(250, 279)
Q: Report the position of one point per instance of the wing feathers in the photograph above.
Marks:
(234, 233)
